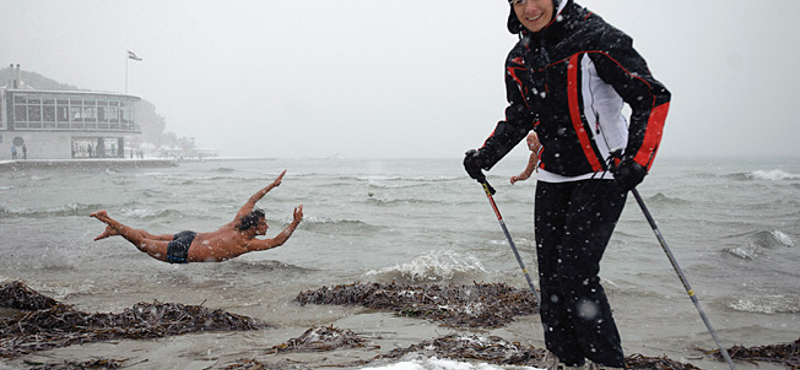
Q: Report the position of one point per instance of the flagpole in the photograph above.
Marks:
(127, 56)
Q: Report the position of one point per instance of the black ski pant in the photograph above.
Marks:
(573, 223)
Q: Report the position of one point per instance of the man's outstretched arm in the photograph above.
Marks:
(251, 203)
(528, 171)
(282, 237)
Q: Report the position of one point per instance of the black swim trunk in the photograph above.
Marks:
(178, 248)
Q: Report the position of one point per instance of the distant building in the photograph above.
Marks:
(55, 124)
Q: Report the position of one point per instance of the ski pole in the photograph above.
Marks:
(684, 281)
(489, 191)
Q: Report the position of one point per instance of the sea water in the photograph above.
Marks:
(733, 225)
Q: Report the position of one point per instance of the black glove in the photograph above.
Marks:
(628, 174)
(471, 164)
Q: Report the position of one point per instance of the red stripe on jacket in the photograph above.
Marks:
(575, 113)
(655, 123)
(652, 136)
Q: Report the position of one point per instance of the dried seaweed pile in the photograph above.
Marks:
(787, 354)
(637, 361)
(493, 350)
(477, 305)
(252, 364)
(18, 296)
(99, 363)
(315, 339)
(321, 339)
(497, 351)
(61, 325)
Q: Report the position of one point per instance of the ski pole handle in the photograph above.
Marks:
(486, 187)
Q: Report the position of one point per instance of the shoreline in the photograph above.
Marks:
(77, 164)
(103, 163)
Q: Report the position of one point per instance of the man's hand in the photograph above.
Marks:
(298, 213)
(521, 177)
(277, 181)
(628, 174)
(472, 165)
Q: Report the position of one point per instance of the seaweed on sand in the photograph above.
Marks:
(61, 325)
(315, 339)
(321, 339)
(18, 296)
(640, 362)
(252, 364)
(98, 363)
(494, 350)
(787, 354)
(497, 351)
(477, 305)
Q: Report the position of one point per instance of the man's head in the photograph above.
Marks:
(256, 219)
(533, 15)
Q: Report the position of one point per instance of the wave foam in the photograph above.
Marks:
(767, 305)
(783, 238)
(67, 210)
(419, 362)
(436, 265)
(748, 252)
(773, 175)
(144, 213)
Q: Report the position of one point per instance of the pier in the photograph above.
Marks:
(84, 164)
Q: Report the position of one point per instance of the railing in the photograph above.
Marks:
(77, 126)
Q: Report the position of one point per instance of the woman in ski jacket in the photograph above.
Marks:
(567, 79)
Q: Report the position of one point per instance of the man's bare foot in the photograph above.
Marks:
(107, 233)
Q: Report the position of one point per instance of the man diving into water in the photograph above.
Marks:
(231, 240)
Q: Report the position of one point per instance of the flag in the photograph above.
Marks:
(132, 55)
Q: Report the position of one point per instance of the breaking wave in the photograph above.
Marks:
(754, 244)
(438, 265)
(774, 175)
(769, 175)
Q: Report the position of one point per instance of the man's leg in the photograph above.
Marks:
(156, 248)
(109, 232)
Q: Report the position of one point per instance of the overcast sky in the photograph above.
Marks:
(407, 78)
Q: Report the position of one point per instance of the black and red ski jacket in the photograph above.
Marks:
(567, 82)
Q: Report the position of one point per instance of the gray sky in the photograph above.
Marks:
(409, 78)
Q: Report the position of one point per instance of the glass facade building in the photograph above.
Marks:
(70, 111)
(62, 124)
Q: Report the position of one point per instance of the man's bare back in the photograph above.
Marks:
(231, 240)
